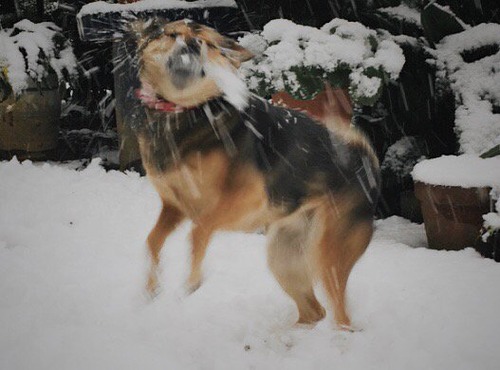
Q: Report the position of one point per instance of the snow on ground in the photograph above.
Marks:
(72, 264)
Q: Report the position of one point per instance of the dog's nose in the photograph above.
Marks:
(180, 61)
(193, 46)
(184, 64)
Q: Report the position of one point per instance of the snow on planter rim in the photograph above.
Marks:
(465, 170)
(103, 7)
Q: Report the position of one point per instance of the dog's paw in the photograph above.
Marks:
(152, 287)
(152, 293)
(192, 286)
(349, 328)
(312, 315)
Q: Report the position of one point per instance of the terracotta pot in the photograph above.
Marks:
(452, 215)
(329, 103)
(29, 124)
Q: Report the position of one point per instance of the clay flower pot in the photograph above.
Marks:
(454, 194)
(452, 215)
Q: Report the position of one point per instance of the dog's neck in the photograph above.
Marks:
(156, 103)
(152, 101)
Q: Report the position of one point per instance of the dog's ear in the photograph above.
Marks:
(136, 29)
(235, 51)
(143, 30)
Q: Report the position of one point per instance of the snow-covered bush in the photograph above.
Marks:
(402, 156)
(31, 53)
(470, 60)
(402, 13)
(299, 59)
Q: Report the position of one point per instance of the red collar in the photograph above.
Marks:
(151, 101)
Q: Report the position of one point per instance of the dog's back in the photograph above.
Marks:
(302, 158)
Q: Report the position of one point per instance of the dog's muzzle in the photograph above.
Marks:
(185, 65)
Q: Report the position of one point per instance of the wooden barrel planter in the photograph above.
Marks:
(452, 215)
(29, 123)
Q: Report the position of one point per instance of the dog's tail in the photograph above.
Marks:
(347, 228)
(337, 115)
(337, 109)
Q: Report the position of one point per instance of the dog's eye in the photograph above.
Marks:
(172, 35)
(210, 45)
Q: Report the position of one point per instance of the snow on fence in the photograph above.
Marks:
(101, 21)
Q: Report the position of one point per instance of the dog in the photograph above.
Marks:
(312, 187)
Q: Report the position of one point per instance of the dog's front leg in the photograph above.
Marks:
(168, 220)
(200, 237)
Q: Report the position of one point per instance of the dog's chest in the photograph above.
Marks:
(208, 188)
(194, 184)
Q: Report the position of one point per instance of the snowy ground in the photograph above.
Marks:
(72, 264)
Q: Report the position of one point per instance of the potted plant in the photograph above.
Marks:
(34, 60)
(300, 59)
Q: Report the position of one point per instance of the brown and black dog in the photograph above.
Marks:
(312, 188)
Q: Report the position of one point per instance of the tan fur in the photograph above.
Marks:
(167, 222)
(289, 259)
(343, 240)
(321, 241)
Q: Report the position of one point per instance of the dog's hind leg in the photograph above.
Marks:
(288, 261)
(167, 221)
(347, 231)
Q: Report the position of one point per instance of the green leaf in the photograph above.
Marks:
(493, 152)
(310, 81)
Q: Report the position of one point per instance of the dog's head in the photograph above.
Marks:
(174, 57)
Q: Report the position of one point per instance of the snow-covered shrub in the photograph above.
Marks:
(402, 13)
(32, 52)
(299, 59)
(470, 60)
(401, 157)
